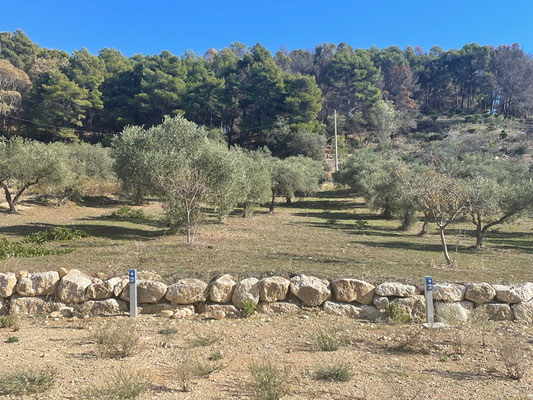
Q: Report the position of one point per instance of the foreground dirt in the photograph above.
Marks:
(386, 361)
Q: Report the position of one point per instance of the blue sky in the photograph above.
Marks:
(148, 27)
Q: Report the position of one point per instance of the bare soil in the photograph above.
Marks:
(386, 361)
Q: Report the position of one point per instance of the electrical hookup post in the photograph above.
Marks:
(133, 292)
(428, 292)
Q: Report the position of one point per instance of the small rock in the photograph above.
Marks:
(480, 293)
(166, 313)
(222, 289)
(187, 291)
(349, 290)
(396, 289)
(273, 289)
(246, 290)
(310, 290)
(218, 315)
(448, 292)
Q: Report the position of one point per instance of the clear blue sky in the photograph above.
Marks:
(148, 27)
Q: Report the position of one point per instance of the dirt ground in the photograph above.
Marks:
(386, 361)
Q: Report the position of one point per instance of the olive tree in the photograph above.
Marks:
(295, 176)
(164, 161)
(498, 191)
(258, 181)
(372, 175)
(25, 164)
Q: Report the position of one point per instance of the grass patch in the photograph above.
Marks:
(205, 340)
(116, 339)
(17, 249)
(168, 331)
(26, 382)
(270, 382)
(121, 386)
(12, 339)
(334, 373)
(203, 369)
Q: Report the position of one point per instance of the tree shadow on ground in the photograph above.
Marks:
(137, 221)
(465, 375)
(101, 231)
(323, 205)
(344, 215)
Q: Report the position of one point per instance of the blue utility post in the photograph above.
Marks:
(428, 291)
(133, 292)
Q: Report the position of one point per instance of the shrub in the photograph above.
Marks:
(12, 339)
(121, 386)
(512, 357)
(58, 233)
(25, 382)
(250, 308)
(334, 373)
(396, 314)
(125, 213)
(216, 356)
(270, 381)
(117, 339)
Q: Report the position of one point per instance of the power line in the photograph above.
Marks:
(53, 126)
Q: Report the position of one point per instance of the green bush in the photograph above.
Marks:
(329, 339)
(12, 339)
(17, 249)
(125, 213)
(56, 234)
(395, 314)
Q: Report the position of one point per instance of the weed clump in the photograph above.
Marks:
(334, 373)
(116, 340)
(205, 340)
(250, 308)
(168, 331)
(121, 386)
(26, 382)
(18, 249)
(329, 339)
(9, 321)
(12, 339)
(512, 357)
(269, 381)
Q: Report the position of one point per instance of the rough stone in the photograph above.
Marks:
(151, 308)
(453, 313)
(480, 293)
(72, 287)
(523, 312)
(273, 289)
(8, 281)
(348, 290)
(28, 305)
(229, 309)
(147, 291)
(102, 290)
(187, 291)
(519, 293)
(246, 290)
(166, 313)
(281, 307)
(22, 274)
(380, 302)
(119, 287)
(310, 290)
(414, 306)
(222, 289)
(496, 311)
(102, 307)
(352, 310)
(218, 315)
(448, 292)
(395, 289)
(38, 284)
(62, 272)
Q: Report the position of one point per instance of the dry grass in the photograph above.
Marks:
(116, 339)
(297, 238)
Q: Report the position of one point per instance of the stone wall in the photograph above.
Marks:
(72, 293)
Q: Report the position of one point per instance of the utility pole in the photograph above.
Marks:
(336, 150)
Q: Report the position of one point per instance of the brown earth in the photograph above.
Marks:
(386, 361)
